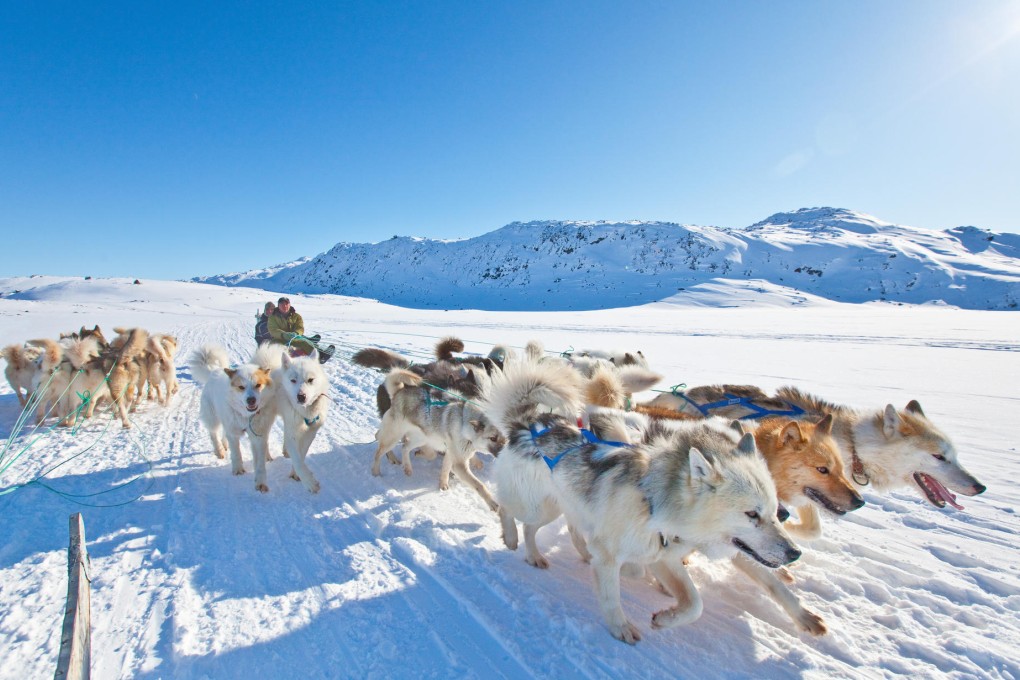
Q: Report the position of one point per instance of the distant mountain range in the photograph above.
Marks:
(830, 253)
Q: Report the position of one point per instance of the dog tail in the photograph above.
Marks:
(399, 379)
(206, 361)
(636, 378)
(169, 343)
(446, 348)
(534, 350)
(156, 349)
(14, 356)
(52, 350)
(269, 356)
(81, 351)
(523, 390)
(605, 388)
(134, 343)
(380, 359)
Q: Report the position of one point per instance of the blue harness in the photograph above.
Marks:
(587, 437)
(730, 400)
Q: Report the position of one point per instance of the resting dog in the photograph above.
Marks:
(681, 487)
(441, 421)
(303, 403)
(236, 401)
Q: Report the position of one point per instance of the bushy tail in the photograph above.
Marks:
(134, 343)
(52, 351)
(206, 361)
(14, 356)
(380, 359)
(525, 389)
(79, 352)
(268, 356)
(612, 387)
(399, 379)
(156, 349)
(446, 348)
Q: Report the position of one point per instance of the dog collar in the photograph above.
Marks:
(311, 422)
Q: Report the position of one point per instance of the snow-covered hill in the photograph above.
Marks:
(559, 265)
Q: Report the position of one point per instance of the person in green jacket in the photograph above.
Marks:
(285, 324)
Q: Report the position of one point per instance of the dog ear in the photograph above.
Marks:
(824, 426)
(286, 359)
(230, 372)
(314, 355)
(791, 434)
(737, 427)
(890, 421)
(915, 408)
(747, 446)
(477, 424)
(701, 469)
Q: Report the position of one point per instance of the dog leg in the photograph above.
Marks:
(607, 587)
(444, 470)
(236, 466)
(476, 463)
(461, 469)
(510, 537)
(259, 449)
(810, 526)
(387, 440)
(533, 557)
(677, 582)
(579, 543)
(301, 447)
(805, 619)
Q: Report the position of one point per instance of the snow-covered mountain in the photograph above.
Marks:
(558, 265)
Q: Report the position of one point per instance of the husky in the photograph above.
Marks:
(303, 402)
(159, 366)
(680, 487)
(236, 401)
(122, 364)
(441, 421)
(20, 369)
(51, 379)
(727, 401)
(888, 449)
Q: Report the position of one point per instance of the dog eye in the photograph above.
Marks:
(240, 388)
(824, 470)
(753, 514)
(258, 387)
(939, 456)
(294, 380)
(311, 380)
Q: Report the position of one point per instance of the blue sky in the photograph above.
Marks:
(167, 140)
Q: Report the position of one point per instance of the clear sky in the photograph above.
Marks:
(168, 140)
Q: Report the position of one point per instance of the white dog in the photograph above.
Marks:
(236, 401)
(303, 402)
(20, 369)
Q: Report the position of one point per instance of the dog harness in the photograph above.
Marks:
(587, 437)
(730, 400)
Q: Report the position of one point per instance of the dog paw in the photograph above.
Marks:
(510, 543)
(314, 486)
(408, 470)
(286, 454)
(812, 623)
(262, 488)
(785, 575)
(626, 632)
(537, 561)
(238, 471)
(444, 486)
(375, 471)
(293, 475)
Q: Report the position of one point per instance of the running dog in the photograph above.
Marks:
(236, 401)
(303, 402)
(20, 369)
(440, 420)
(680, 487)
(888, 449)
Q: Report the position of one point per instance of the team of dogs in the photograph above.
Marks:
(711, 469)
(70, 377)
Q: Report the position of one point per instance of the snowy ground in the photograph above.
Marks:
(202, 577)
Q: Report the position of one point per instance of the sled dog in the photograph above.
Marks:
(20, 369)
(159, 367)
(440, 421)
(303, 403)
(888, 449)
(236, 401)
(680, 487)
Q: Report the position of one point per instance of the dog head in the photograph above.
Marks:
(94, 332)
(481, 432)
(805, 463)
(303, 380)
(917, 452)
(249, 387)
(736, 506)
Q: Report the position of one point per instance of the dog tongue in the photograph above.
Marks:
(943, 493)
